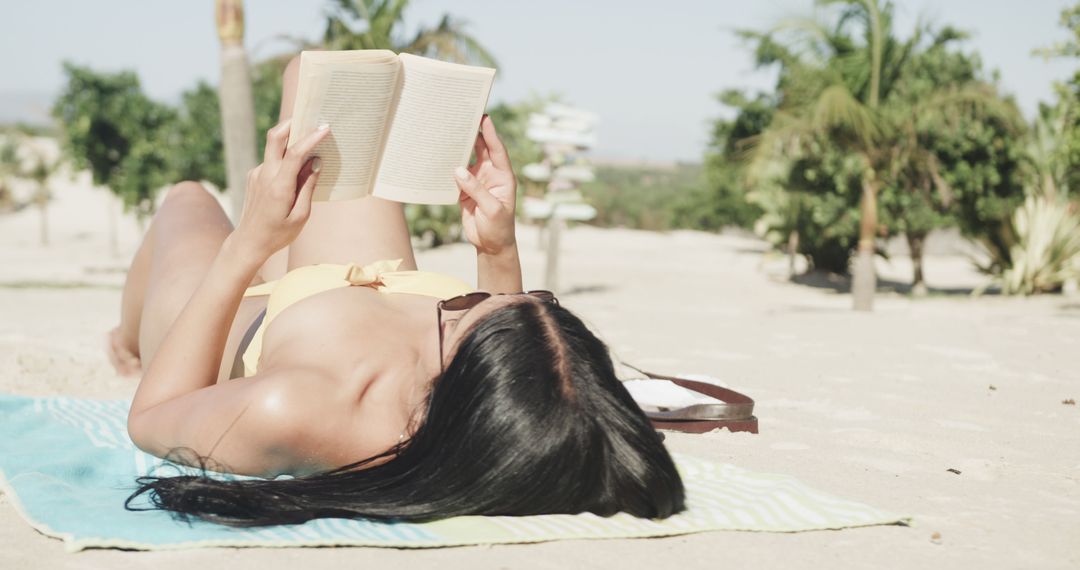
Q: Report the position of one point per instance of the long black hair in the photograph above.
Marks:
(528, 418)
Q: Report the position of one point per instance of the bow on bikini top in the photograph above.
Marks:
(303, 282)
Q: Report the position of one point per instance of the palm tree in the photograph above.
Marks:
(825, 99)
(371, 24)
(842, 93)
(236, 100)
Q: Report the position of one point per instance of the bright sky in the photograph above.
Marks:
(650, 70)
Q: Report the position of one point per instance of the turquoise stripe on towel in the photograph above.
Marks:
(67, 465)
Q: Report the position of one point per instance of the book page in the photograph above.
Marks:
(436, 119)
(353, 92)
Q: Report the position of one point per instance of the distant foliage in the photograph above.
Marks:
(643, 197)
(199, 151)
(199, 142)
(512, 121)
(112, 128)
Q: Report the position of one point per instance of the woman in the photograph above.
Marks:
(305, 342)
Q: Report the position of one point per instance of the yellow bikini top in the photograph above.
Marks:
(303, 282)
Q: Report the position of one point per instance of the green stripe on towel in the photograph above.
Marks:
(66, 464)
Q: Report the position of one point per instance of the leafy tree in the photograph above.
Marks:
(9, 167)
(1039, 249)
(721, 200)
(955, 159)
(200, 148)
(40, 169)
(1066, 152)
(21, 157)
(199, 151)
(112, 128)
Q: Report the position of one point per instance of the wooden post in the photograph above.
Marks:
(555, 227)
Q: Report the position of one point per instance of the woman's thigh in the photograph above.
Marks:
(358, 231)
(187, 234)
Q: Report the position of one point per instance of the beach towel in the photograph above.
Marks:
(67, 465)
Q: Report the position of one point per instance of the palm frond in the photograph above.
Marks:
(448, 41)
(978, 97)
(837, 108)
(786, 136)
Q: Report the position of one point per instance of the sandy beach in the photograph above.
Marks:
(948, 408)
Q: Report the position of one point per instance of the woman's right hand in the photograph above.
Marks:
(277, 200)
(488, 191)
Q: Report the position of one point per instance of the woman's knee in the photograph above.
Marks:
(187, 190)
(189, 205)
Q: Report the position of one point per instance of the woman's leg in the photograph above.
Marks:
(360, 231)
(181, 243)
(123, 341)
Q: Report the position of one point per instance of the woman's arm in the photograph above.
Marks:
(499, 273)
(274, 212)
(488, 198)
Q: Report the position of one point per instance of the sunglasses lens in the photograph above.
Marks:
(545, 296)
(464, 302)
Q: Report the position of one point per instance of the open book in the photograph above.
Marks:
(400, 124)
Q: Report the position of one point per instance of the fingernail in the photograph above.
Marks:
(324, 126)
(316, 164)
(461, 173)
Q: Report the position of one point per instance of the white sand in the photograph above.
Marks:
(872, 407)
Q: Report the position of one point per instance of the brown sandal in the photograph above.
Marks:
(736, 413)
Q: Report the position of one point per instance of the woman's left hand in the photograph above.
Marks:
(488, 194)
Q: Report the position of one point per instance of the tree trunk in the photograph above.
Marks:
(915, 245)
(43, 209)
(237, 102)
(114, 221)
(792, 251)
(864, 277)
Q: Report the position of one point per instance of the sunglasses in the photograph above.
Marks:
(463, 303)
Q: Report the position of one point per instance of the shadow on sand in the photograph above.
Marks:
(842, 284)
(585, 289)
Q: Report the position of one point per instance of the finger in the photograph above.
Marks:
(480, 148)
(277, 138)
(310, 173)
(300, 151)
(495, 147)
(468, 184)
(310, 167)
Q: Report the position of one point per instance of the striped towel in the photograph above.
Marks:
(66, 464)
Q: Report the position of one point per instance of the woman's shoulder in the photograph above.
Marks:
(323, 421)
